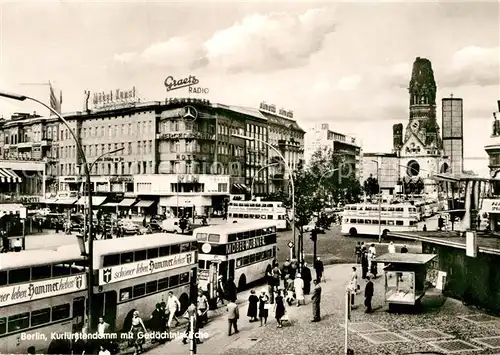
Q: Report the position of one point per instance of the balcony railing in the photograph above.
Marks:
(186, 135)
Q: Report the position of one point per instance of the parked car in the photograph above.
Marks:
(172, 226)
(155, 226)
(309, 227)
(130, 227)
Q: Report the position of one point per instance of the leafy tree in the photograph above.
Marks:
(335, 177)
(371, 186)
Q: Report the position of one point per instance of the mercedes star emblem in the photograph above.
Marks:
(190, 113)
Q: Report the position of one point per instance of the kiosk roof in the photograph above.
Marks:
(406, 258)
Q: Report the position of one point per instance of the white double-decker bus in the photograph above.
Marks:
(259, 210)
(241, 251)
(364, 218)
(42, 292)
(135, 273)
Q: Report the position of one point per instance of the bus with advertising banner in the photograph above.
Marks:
(135, 273)
(241, 251)
(42, 292)
(259, 210)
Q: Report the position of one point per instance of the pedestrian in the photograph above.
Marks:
(191, 314)
(220, 290)
(372, 253)
(404, 249)
(253, 304)
(158, 323)
(279, 308)
(231, 290)
(233, 314)
(5, 242)
(137, 331)
(391, 248)
(318, 266)
(354, 279)
(288, 290)
(368, 295)
(364, 264)
(298, 285)
(292, 270)
(276, 276)
(270, 283)
(103, 350)
(425, 225)
(173, 306)
(307, 278)
(18, 245)
(263, 308)
(316, 301)
(357, 252)
(202, 308)
(285, 269)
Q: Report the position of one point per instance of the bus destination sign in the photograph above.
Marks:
(243, 245)
(15, 294)
(146, 267)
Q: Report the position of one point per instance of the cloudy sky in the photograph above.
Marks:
(345, 63)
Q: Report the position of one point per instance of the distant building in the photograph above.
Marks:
(348, 148)
(453, 136)
(418, 153)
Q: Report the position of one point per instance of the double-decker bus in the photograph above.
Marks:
(42, 292)
(364, 218)
(241, 251)
(135, 273)
(259, 210)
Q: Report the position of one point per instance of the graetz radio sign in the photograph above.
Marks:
(174, 84)
(41, 289)
(146, 267)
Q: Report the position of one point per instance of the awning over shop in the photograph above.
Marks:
(48, 201)
(8, 175)
(144, 203)
(239, 189)
(65, 201)
(110, 204)
(126, 202)
(9, 208)
(96, 200)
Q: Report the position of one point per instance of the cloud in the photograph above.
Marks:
(257, 43)
(177, 51)
(125, 57)
(473, 65)
(349, 83)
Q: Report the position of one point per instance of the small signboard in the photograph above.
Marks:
(23, 213)
(290, 244)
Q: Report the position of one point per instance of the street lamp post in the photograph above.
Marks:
(379, 204)
(289, 173)
(90, 254)
(91, 166)
(257, 174)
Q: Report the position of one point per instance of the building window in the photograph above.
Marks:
(222, 187)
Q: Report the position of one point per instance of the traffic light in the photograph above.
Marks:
(314, 235)
(441, 222)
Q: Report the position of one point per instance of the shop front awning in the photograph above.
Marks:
(239, 188)
(144, 203)
(9, 175)
(66, 201)
(48, 201)
(96, 200)
(111, 204)
(126, 202)
(10, 208)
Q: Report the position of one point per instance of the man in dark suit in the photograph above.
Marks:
(307, 277)
(158, 323)
(368, 295)
(316, 301)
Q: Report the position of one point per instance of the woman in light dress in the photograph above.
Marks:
(298, 285)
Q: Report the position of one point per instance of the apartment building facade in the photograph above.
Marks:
(176, 154)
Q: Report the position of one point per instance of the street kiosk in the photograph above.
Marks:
(405, 276)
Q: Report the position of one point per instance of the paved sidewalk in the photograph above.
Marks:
(445, 324)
